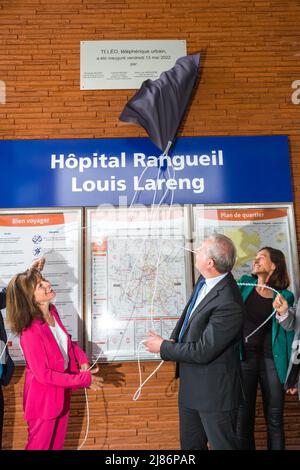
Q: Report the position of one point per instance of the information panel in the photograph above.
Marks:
(56, 235)
(251, 228)
(138, 277)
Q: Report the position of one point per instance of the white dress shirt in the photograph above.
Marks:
(280, 318)
(210, 283)
(62, 341)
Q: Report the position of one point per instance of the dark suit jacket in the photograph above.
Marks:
(8, 367)
(208, 362)
(2, 299)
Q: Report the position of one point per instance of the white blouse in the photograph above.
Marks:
(62, 341)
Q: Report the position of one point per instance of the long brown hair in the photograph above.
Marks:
(20, 303)
(279, 279)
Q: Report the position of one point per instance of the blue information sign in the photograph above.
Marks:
(92, 172)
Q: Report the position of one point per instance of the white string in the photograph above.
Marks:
(154, 210)
(87, 420)
(158, 257)
(2, 352)
(132, 270)
(137, 394)
(260, 326)
(264, 286)
(138, 183)
(152, 218)
(138, 391)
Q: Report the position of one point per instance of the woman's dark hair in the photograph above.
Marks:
(21, 306)
(279, 279)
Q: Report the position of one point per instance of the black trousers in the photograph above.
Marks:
(1, 415)
(217, 428)
(259, 370)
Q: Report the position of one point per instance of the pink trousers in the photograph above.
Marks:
(49, 434)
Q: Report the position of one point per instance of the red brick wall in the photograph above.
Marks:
(251, 56)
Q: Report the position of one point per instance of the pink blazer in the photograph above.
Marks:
(45, 379)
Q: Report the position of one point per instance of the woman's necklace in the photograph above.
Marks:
(49, 319)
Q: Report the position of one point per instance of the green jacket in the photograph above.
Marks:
(281, 339)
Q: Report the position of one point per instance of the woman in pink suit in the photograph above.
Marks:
(54, 364)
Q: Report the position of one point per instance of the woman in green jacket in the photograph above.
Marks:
(266, 353)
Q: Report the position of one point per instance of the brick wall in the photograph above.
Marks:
(251, 56)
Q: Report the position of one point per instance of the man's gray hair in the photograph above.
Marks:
(222, 251)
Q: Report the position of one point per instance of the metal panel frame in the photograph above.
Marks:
(291, 230)
(88, 266)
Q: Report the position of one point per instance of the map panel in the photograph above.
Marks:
(138, 280)
(250, 230)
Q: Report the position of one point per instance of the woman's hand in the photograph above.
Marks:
(38, 264)
(280, 304)
(84, 366)
(97, 382)
(292, 391)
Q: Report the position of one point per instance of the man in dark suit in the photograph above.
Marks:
(205, 345)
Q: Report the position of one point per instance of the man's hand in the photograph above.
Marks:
(280, 304)
(153, 342)
(38, 264)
